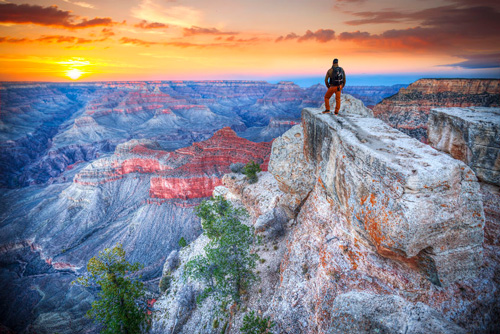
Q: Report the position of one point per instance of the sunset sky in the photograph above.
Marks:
(90, 40)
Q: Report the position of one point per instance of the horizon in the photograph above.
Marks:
(149, 40)
(303, 82)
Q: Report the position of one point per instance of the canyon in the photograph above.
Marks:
(408, 110)
(87, 165)
(379, 233)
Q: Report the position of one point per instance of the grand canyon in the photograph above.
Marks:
(381, 230)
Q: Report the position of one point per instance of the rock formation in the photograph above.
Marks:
(45, 128)
(408, 110)
(471, 135)
(141, 196)
(380, 233)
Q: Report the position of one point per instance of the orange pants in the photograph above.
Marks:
(328, 95)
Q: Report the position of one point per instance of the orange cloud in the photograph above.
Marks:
(150, 25)
(206, 31)
(320, 35)
(48, 39)
(47, 16)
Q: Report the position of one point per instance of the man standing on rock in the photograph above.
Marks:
(334, 81)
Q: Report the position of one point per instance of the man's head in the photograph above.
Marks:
(335, 61)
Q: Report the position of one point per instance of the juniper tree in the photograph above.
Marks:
(121, 306)
(250, 170)
(228, 263)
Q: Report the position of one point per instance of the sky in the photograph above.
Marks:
(96, 40)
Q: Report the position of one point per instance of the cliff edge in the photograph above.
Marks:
(364, 230)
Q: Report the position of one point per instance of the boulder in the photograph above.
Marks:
(411, 202)
(471, 135)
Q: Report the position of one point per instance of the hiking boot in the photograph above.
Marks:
(336, 113)
(325, 111)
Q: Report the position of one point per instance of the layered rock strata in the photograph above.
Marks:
(471, 135)
(408, 110)
(187, 173)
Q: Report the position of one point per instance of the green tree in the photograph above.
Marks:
(228, 263)
(253, 324)
(182, 242)
(250, 170)
(121, 306)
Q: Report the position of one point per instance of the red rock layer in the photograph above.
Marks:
(189, 172)
(408, 110)
(195, 187)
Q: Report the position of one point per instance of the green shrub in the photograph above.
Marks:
(165, 283)
(227, 266)
(121, 304)
(250, 170)
(254, 324)
(182, 242)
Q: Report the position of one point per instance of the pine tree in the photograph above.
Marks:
(121, 306)
(226, 268)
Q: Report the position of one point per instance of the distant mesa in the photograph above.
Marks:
(187, 173)
(408, 110)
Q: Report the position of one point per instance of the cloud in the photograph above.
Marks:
(150, 25)
(320, 35)
(47, 16)
(454, 30)
(287, 37)
(107, 32)
(194, 30)
(81, 4)
(478, 61)
(182, 16)
(135, 41)
(48, 39)
(180, 44)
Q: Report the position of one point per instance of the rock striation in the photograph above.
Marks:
(408, 110)
(471, 135)
(365, 230)
(187, 173)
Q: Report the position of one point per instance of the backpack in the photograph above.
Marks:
(337, 76)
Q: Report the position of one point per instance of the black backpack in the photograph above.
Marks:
(337, 76)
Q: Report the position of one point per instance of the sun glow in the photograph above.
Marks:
(74, 73)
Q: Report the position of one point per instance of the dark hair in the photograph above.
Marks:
(335, 60)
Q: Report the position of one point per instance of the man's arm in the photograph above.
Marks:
(326, 79)
(343, 85)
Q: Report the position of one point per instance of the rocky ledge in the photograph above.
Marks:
(413, 203)
(471, 135)
(365, 230)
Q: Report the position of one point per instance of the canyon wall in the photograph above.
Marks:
(141, 196)
(408, 111)
(364, 230)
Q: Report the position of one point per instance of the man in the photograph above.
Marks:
(334, 81)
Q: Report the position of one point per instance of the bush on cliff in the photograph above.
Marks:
(121, 306)
(228, 263)
(250, 170)
(254, 324)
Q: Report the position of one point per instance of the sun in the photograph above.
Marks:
(74, 73)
